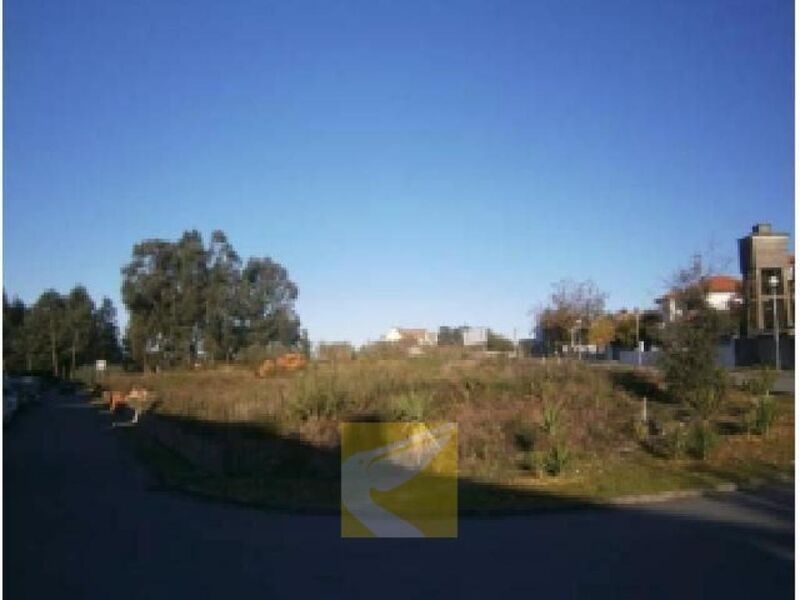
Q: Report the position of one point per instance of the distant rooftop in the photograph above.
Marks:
(765, 229)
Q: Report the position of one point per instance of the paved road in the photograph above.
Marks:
(80, 522)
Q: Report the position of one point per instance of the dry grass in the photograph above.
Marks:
(514, 417)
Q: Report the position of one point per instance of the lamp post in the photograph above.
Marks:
(638, 349)
(773, 285)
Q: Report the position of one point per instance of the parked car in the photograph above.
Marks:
(10, 402)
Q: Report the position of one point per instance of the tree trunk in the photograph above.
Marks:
(53, 347)
(74, 344)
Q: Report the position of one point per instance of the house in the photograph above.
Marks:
(721, 292)
(411, 337)
(475, 336)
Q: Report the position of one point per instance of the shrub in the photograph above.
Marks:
(556, 459)
(675, 440)
(551, 416)
(409, 406)
(761, 383)
(524, 435)
(764, 415)
(640, 429)
(702, 440)
(534, 462)
(317, 397)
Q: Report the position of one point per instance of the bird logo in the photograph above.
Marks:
(408, 453)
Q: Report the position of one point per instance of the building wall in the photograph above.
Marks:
(760, 253)
(476, 336)
(720, 300)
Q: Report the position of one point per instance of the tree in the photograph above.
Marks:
(689, 358)
(498, 343)
(572, 305)
(58, 332)
(601, 331)
(14, 338)
(47, 328)
(267, 298)
(79, 324)
(106, 333)
(222, 301)
(148, 291)
(187, 301)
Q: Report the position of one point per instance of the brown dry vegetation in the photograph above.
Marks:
(520, 421)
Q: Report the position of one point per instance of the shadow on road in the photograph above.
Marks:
(80, 521)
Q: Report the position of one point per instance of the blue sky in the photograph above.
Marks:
(410, 163)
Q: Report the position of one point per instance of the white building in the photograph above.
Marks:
(722, 292)
(416, 337)
(475, 336)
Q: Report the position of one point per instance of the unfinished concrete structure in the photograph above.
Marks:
(764, 254)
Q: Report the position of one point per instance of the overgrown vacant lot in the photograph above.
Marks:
(529, 433)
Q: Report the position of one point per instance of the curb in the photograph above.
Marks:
(722, 488)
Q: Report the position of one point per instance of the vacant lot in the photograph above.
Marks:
(530, 433)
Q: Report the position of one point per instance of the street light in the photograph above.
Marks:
(773, 285)
(576, 328)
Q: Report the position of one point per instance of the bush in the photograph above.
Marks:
(317, 397)
(533, 461)
(675, 440)
(764, 415)
(557, 459)
(702, 440)
(409, 406)
(762, 382)
(524, 435)
(551, 417)
(640, 429)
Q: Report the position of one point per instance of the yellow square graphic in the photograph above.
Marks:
(399, 479)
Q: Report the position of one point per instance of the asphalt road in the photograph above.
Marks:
(81, 521)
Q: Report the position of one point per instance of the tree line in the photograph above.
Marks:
(58, 332)
(189, 301)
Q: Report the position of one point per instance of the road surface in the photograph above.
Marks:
(81, 520)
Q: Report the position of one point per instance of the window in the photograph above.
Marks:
(766, 275)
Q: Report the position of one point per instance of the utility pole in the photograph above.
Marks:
(638, 349)
(773, 284)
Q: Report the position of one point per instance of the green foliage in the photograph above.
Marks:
(551, 417)
(183, 298)
(523, 434)
(764, 414)
(316, 398)
(762, 381)
(498, 343)
(557, 459)
(690, 345)
(58, 333)
(676, 439)
(701, 440)
(410, 406)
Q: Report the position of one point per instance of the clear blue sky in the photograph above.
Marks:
(411, 163)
